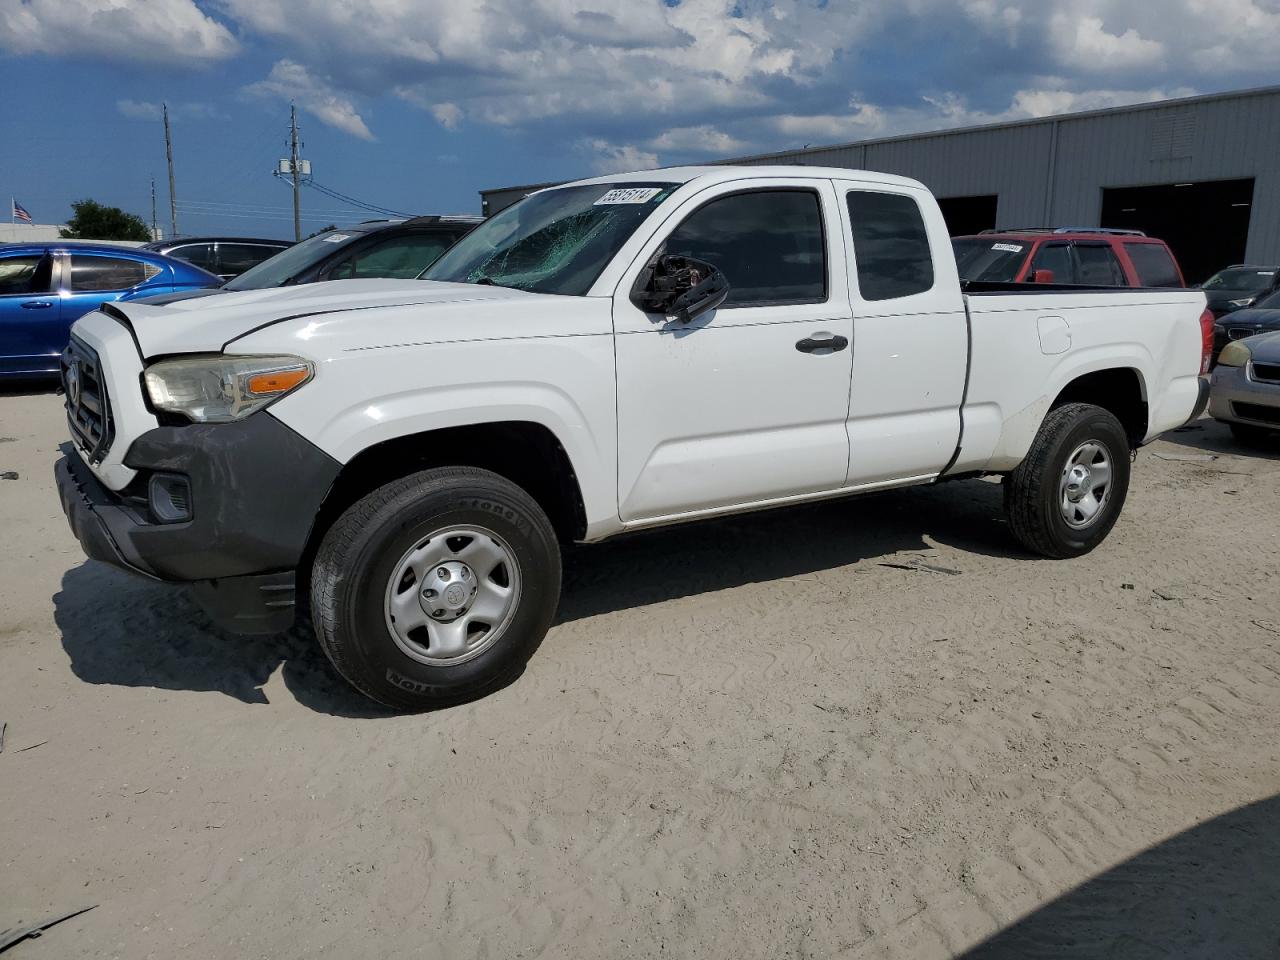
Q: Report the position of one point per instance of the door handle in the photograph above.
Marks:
(833, 342)
(37, 305)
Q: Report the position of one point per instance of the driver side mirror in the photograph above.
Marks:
(1042, 276)
(680, 288)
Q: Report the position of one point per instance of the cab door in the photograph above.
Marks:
(746, 403)
(30, 312)
(910, 335)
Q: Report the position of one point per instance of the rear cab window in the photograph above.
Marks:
(890, 245)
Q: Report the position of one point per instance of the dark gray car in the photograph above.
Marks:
(1245, 393)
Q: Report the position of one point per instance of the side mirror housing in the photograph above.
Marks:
(680, 288)
(1042, 276)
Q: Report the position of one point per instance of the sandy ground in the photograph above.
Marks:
(760, 737)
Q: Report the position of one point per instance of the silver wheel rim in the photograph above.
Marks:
(452, 595)
(1086, 484)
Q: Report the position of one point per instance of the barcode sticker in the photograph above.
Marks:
(628, 195)
(336, 237)
(1007, 247)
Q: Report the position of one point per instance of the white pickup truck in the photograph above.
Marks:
(604, 356)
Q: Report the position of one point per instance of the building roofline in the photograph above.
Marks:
(1008, 124)
(954, 131)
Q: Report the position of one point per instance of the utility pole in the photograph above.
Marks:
(155, 235)
(293, 166)
(168, 152)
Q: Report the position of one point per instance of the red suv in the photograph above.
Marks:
(1068, 255)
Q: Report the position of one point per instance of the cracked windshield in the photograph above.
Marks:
(557, 241)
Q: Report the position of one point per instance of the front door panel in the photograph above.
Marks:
(727, 410)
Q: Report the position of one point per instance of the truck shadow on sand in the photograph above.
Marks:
(1209, 892)
(1206, 436)
(123, 630)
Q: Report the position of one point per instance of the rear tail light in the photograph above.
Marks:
(1206, 340)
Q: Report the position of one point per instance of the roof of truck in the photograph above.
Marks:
(719, 174)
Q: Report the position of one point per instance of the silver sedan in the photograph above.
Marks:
(1245, 393)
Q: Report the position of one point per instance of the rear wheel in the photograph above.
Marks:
(1066, 495)
(435, 588)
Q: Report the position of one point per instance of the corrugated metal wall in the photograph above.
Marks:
(1053, 171)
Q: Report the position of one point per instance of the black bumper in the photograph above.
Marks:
(1202, 400)
(256, 488)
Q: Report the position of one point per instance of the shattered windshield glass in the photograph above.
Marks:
(556, 241)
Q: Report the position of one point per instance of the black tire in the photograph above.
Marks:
(1033, 492)
(360, 552)
(1249, 434)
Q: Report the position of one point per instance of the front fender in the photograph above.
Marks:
(565, 384)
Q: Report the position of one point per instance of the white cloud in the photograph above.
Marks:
(1085, 43)
(292, 81)
(700, 139)
(619, 157)
(146, 110)
(449, 115)
(862, 120)
(147, 31)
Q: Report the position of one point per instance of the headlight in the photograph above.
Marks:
(218, 389)
(1235, 354)
(1241, 303)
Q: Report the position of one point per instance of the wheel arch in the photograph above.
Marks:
(1122, 391)
(525, 452)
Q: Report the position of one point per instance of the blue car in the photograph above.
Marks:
(46, 287)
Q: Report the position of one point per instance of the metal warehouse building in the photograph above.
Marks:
(1203, 173)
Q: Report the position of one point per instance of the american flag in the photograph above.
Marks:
(20, 212)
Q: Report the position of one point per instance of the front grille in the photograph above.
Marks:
(88, 407)
(1256, 411)
(1239, 333)
(1267, 372)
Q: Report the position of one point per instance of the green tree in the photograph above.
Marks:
(93, 221)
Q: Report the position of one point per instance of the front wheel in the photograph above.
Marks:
(435, 588)
(1065, 497)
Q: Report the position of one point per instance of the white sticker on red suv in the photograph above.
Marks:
(1007, 247)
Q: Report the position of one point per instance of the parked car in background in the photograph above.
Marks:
(1238, 287)
(1093, 257)
(1245, 390)
(1262, 317)
(228, 257)
(46, 287)
(397, 249)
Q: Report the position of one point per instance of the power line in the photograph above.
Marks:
(375, 208)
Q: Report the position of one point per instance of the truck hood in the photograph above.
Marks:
(208, 324)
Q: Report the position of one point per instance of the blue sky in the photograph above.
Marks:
(415, 105)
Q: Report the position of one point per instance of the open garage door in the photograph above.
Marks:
(969, 215)
(1206, 223)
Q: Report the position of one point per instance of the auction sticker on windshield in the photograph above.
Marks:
(336, 237)
(1007, 247)
(628, 195)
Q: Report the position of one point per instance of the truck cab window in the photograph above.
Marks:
(768, 243)
(890, 245)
